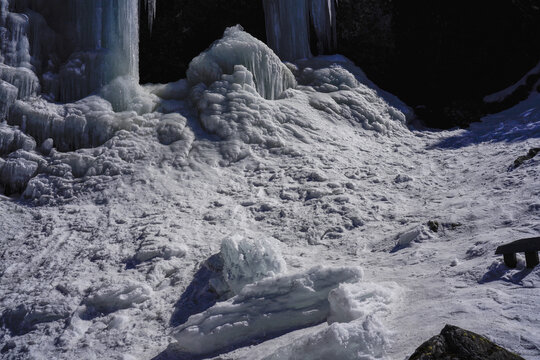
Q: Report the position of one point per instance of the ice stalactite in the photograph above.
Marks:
(288, 26)
(323, 17)
(151, 9)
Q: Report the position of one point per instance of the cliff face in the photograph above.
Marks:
(441, 58)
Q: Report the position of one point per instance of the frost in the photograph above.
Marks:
(268, 307)
(248, 260)
(270, 76)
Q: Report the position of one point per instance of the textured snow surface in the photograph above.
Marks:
(204, 219)
(268, 307)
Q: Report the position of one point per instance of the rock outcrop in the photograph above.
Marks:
(454, 343)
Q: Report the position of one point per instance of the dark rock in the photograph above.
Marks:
(454, 343)
(433, 225)
(520, 160)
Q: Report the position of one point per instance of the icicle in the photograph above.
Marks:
(288, 26)
(151, 9)
(323, 17)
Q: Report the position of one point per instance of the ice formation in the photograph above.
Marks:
(151, 9)
(268, 307)
(269, 75)
(79, 56)
(288, 26)
(248, 260)
(356, 330)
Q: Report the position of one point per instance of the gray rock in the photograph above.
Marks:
(454, 343)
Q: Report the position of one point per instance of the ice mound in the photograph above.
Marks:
(268, 307)
(15, 174)
(12, 140)
(111, 298)
(418, 233)
(125, 94)
(270, 76)
(22, 78)
(249, 260)
(356, 331)
(88, 122)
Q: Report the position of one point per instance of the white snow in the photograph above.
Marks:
(270, 306)
(115, 208)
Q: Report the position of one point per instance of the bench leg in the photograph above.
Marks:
(532, 259)
(510, 260)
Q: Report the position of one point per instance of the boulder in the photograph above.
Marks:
(454, 343)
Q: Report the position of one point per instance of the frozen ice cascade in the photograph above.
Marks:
(288, 26)
(70, 59)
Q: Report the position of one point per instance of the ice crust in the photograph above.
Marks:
(270, 306)
(248, 260)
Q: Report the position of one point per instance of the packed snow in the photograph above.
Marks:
(255, 210)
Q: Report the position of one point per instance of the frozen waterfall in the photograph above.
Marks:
(288, 26)
(69, 59)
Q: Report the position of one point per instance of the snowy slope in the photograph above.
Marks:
(117, 259)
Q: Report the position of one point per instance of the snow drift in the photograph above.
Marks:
(266, 308)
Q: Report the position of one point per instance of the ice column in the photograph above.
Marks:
(107, 46)
(323, 17)
(288, 26)
(151, 9)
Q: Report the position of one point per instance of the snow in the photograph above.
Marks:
(115, 208)
(272, 305)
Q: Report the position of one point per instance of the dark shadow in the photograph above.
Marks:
(199, 295)
(500, 272)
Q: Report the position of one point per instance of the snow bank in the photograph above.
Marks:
(270, 76)
(356, 331)
(249, 260)
(349, 302)
(362, 340)
(265, 308)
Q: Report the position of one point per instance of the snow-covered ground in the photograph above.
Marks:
(233, 226)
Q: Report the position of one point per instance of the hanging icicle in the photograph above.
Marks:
(151, 10)
(288, 25)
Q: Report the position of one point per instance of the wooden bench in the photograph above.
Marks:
(529, 246)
